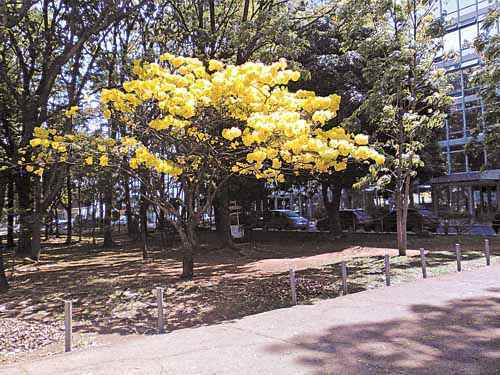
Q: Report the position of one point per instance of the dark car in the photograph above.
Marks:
(284, 219)
(496, 223)
(350, 220)
(418, 220)
(248, 219)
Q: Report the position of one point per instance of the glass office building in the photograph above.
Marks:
(472, 184)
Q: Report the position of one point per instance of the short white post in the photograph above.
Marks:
(293, 286)
(159, 303)
(68, 325)
(343, 267)
(422, 260)
(387, 267)
(458, 251)
(487, 251)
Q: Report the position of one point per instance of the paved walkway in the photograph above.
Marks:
(447, 325)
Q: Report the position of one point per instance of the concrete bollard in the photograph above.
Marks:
(387, 266)
(458, 251)
(343, 267)
(293, 286)
(159, 303)
(68, 325)
(487, 251)
(422, 261)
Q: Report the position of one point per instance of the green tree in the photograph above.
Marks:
(37, 40)
(487, 77)
(407, 99)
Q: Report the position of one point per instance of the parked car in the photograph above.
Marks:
(496, 223)
(249, 219)
(350, 220)
(285, 219)
(418, 220)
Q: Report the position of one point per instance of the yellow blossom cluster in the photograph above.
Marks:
(270, 127)
(73, 110)
(214, 115)
(49, 147)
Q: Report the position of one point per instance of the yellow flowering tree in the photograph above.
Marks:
(201, 122)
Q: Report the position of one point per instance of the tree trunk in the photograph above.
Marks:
(25, 203)
(94, 221)
(3, 188)
(36, 237)
(332, 206)
(56, 216)
(143, 213)
(4, 284)
(108, 201)
(401, 217)
(36, 223)
(69, 208)
(101, 212)
(411, 198)
(10, 212)
(80, 218)
(222, 220)
(128, 207)
(189, 243)
(187, 263)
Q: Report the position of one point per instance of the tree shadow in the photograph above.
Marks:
(113, 288)
(459, 337)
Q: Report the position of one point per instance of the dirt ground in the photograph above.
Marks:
(112, 288)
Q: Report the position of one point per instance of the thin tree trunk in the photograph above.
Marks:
(128, 207)
(56, 217)
(4, 284)
(36, 237)
(332, 206)
(222, 219)
(189, 244)
(94, 221)
(101, 212)
(36, 223)
(3, 189)
(10, 212)
(25, 203)
(80, 218)
(143, 210)
(401, 217)
(108, 201)
(69, 208)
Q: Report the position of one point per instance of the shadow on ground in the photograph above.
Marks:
(113, 288)
(462, 337)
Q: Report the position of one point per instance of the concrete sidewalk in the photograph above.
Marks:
(446, 325)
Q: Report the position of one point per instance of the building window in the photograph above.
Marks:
(470, 88)
(455, 125)
(493, 155)
(467, 7)
(467, 3)
(454, 78)
(473, 121)
(451, 42)
(467, 36)
(457, 159)
(449, 6)
(475, 156)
